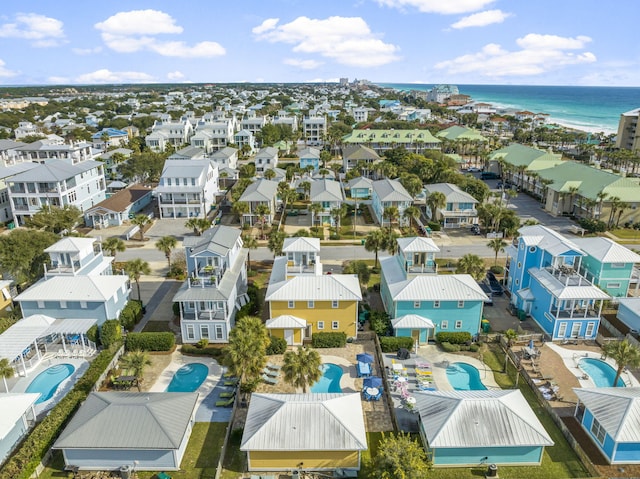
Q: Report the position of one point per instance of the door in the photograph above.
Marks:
(415, 334)
(288, 336)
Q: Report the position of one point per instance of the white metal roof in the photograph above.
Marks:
(616, 409)
(412, 321)
(260, 190)
(549, 240)
(286, 321)
(459, 419)
(417, 244)
(452, 193)
(13, 407)
(304, 422)
(325, 190)
(70, 326)
(328, 287)
(391, 190)
(561, 291)
(301, 244)
(22, 334)
(70, 244)
(525, 294)
(74, 288)
(606, 250)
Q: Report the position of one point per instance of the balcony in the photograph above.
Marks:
(208, 282)
(301, 268)
(567, 276)
(576, 313)
(63, 268)
(217, 315)
(429, 267)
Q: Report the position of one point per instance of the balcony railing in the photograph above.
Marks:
(217, 315)
(567, 276)
(577, 313)
(208, 282)
(422, 268)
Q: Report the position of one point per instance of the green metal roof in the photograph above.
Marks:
(533, 159)
(390, 136)
(457, 132)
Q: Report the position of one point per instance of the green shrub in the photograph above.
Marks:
(391, 344)
(150, 341)
(334, 237)
(456, 337)
(277, 346)
(380, 322)
(497, 269)
(434, 225)
(131, 314)
(176, 309)
(329, 340)
(592, 226)
(474, 348)
(92, 334)
(195, 351)
(203, 343)
(450, 348)
(110, 332)
(254, 306)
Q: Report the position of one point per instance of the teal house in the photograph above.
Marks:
(471, 428)
(310, 157)
(610, 418)
(360, 188)
(411, 289)
(608, 264)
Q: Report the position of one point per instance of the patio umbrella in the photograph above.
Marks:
(372, 382)
(364, 358)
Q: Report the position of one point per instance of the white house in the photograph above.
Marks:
(265, 159)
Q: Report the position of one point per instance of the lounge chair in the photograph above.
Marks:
(274, 367)
(163, 475)
(231, 382)
(227, 394)
(364, 369)
(269, 379)
(271, 373)
(225, 402)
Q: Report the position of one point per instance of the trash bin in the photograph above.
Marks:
(492, 471)
(125, 472)
(486, 326)
(522, 315)
(362, 242)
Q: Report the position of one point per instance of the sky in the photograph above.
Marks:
(526, 42)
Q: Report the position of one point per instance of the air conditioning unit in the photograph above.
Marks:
(295, 475)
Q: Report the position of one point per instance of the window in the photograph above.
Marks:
(590, 328)
(575, 329)
(519, 265)
(436, 304)
(320, 325)
(444, 325)
(40, 304)
(191, 334)
(310, 304)
(612, 285)
(617, 265)
(219, 331)
(83, 304)
(598, 431)
(416, 305)
(292, 304)
(562, 330)
(204, 331)
(63, 304)
(458, 324)
(517, 282)
(191, 305)
(335, 324)
(334, 304)
(532, 249)
(460, 304)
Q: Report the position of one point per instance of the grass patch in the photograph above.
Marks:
(157, 327)
(235, 461)
(55, 467)
(626, 233)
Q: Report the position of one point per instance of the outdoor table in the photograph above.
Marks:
(397, 367)
(401, 379)
(411, 400)
(372, 391)
(529, 352)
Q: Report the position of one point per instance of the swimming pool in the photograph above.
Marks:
(600, 372)
(464, 377)
(46, 383)
(188, 378)
(330, 380)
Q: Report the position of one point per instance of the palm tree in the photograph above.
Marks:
(262, 211)
(240, 208)
(315, 209)
(435, 201)
(136, 361)
(246, 352)
(625, 354)
(306, 187)
(269, 174)
(338, 213)
(302, 368)
(6, 372)
(166, 244)
(250, 242)
(497, 245)
(600, 197)
(113, 245)
(276, 242)
(136, 268)
(392, 213)
(411, 213)
(375, 242)
(141, 221)
(471, 264)
(511, 336)
(199, 225)
(323, 172)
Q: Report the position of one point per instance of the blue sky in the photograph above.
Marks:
(541, 42)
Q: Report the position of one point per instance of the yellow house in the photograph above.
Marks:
(310, 432)
(306, 303)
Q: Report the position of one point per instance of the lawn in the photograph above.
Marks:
(235, 460)
(626, 233)
(157, 327)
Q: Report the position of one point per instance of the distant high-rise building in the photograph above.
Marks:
(344, 81)
(628, 137)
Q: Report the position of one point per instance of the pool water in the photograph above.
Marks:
(464, 377)
(330, 380)
(46, 383)
(188, 378)
(600, 372)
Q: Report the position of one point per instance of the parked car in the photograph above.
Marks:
(489, 175)
(494, 284)
(475, 229)
(487, 290)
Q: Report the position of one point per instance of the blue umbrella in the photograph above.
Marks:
(372, 382)
(364, 358)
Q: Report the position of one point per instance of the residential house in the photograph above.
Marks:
(329, 194)
(266, 158)
(543, 276)
(467, 428)
(410, 285)
(609, 417)
(314, 130)
(245, 138)
(56, 183)
(253, 123)
(168, 132)
(26, 128)
(111, 163)
(309, 157)
(260, 192)
(216, 284)
(354, 156)
(187, 188)
(608, 264)
(360, 188)
(119, 207)
(388, 193)
(8, 153)
(462, 134)
(188, 153)
(18, 415)
(109, 137)
(227, 157)
(114, 430)
(52, 149)
(325, 432)
(6, 173)
(459, 209)
(213, 134)
(414, 141)
(629, 313)
(286, 120)
(361, 114)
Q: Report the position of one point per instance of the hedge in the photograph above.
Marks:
(329, 340)
(196, 351)
(457, 337)
(450, 348)
(131, 314)
(390, 344)
(150, 341)
(110, 332)
(276, 346)
(380, 323)
(24, 460)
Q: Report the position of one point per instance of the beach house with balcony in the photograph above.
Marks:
(226, 157)
(168, 132)
(360, 188)
(265, 159)
(213, 134)
(544, 278)
(108, 137)
(260, 192)
(187, 188)
(387, 193)
(216, 285)
(329, 195)
(459, 209)
(422, 303)
(355, 155)
(309, 157)
(314, 130)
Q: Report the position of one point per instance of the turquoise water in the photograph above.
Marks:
(188, 378)
(330, 380)
(600, 372)
(464, 377)
(587, 108)
(46, 383)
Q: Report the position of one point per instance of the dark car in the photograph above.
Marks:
(489, 175)
(487, 290)
(475, 229)
(494, 284)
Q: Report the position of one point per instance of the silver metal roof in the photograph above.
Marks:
(219, 239)
(616, 409)
(74, 288)
(606, 250)
(285, 321)
(260, 190)
(304, 422)
(417, 244)
(301, 244)
(325, 190)
(549, 240)
(328, 287)
(452, 193)
(124, 420)
(55, 170)
(562, 291)
(458, 419)
(70, 244)
(391, 190)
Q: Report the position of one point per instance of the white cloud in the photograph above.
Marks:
(5, 72)
(322, 80)
(347, 40)
(481, 19)
(539, 54)
(444, 7)
(175, 75)
(58, 80)
(304, 64)
(107, 76)
(41, 31)
(136, 30)
(86, 51)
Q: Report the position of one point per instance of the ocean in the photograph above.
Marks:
(593, 109)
